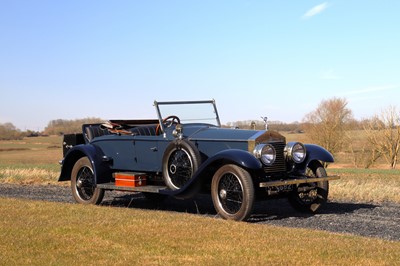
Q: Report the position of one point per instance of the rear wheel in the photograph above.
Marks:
(310, 197)
(83, 183)
(232, 192)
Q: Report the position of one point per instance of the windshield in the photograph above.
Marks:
(204, 112)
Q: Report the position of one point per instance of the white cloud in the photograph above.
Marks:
(315, 10)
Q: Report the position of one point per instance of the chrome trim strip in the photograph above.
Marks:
(257, 134)
(184, 102)
(298, 181)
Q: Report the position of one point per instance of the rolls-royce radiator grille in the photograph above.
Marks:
(279, 164)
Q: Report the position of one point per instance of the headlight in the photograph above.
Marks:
(266, 153)
(295, 151)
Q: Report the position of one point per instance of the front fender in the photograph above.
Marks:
(101, 169)
(234, 156)
(207, 169)
(315, 153)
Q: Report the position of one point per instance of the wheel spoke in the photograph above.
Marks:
(234, 201)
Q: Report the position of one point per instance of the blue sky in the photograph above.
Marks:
(112, 59)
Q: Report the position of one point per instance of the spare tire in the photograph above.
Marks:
(180, 161)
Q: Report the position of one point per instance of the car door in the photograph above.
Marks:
(147, 156)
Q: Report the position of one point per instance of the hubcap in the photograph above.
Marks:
(172, 169)
(79, 183)
(222, 194)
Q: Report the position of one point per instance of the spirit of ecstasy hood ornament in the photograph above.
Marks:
(265, 121)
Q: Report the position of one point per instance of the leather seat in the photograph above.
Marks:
(144, 130)
(94, 131)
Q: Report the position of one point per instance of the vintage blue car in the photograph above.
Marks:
(186, 151)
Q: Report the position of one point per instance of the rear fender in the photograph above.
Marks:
(100, 165)
(207, 169)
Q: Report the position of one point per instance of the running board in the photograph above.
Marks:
(298, 181)
(150, 189)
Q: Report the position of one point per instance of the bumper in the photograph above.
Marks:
(296, 181)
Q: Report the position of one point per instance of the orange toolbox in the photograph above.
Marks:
(129, 179)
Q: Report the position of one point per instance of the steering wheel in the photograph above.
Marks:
(168, 122)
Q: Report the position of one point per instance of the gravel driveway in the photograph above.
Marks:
(372, 220)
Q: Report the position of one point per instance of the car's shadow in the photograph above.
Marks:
(269, 210)
(201, 204)
(280, 209)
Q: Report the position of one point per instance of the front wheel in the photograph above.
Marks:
(232, 192)
(310, 197)
(83, 183)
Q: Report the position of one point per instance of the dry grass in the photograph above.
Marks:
(366, 185)
(28, 175)
(37, 233)
(37, 150)
(31, 160)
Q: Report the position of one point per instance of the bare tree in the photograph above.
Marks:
(9, 132)
(326, 125)
(383, 132)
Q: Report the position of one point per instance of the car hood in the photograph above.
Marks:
(241, 135)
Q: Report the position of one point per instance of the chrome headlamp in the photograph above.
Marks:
(266, 153)
(295, 151)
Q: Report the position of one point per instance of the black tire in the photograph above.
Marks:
(83, 184)
(180, 161)
(306, 198)
(232, 192)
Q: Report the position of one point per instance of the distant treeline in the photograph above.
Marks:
(260, 125)
(62, 126)
(294, 127)
(9, 132)
(55, 127)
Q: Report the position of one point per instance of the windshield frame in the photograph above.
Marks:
(211, 103)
